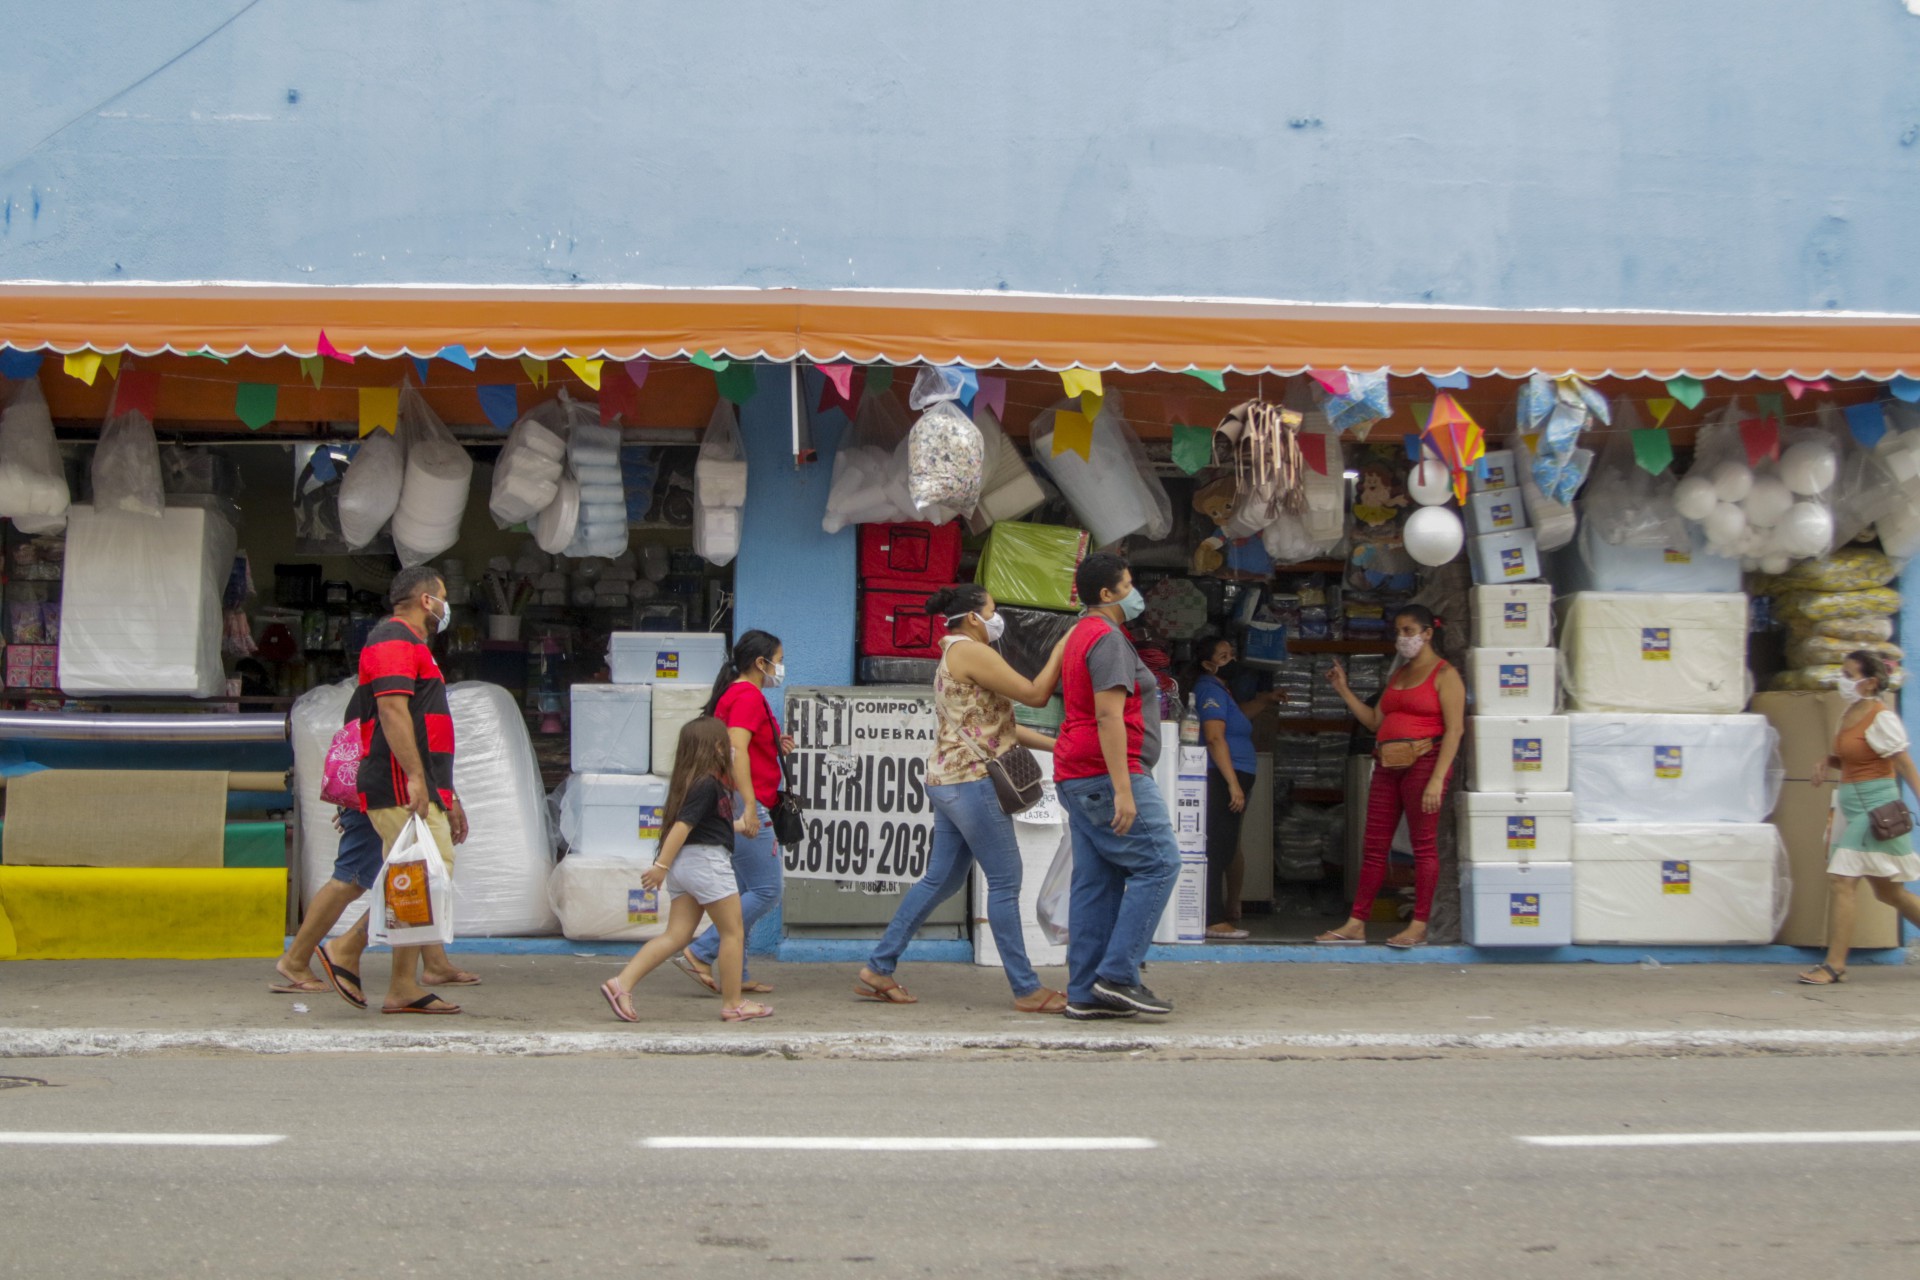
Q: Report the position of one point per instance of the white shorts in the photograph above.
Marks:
(703, 872)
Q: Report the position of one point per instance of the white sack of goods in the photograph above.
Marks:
(370, 491)
(1655, 652)
(526, 479)
(433, 495)
(1114, 492)
(1655, 768)
(719, 488)
(593, 459)
(862, 489)
(1680, 884)
(126, 468)
(1009, 490)
(946, 459)
(33, 479)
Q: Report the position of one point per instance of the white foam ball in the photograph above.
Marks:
(1807, 529)
(1777, 562)
(1809, 467)
(1694, 498)
(1429, 484)
(1732, 481)
(1725, 523)
(1767, 501)
(1433, 535)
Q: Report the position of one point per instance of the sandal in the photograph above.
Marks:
(892, 993)
(746, 1012)
(1051, 1002)
(685, 964)
(622, 1001)
(1834, 976)
(1334, 939)
(428, 1003)
(342, 978)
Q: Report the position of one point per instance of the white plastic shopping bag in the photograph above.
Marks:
(413, 899)
(1056, 889)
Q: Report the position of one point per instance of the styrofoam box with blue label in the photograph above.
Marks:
(1510, 556)
(1656, 652)
(1517, 904)
(1519, 616)
(1655, 768)
(666, 657)
(1497, 826)
(603, 899)
(1517, 753)
(1678, 884)
(612, 728)
(1496, 511)
(1496, 471)
(618, 814)
(1514, 682)
(1594, 564)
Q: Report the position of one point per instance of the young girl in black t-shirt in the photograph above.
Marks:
(695, 863)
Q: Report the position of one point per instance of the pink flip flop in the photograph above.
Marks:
(615, 997)
(746, 1012)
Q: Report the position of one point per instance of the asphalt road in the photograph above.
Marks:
(443, 1165)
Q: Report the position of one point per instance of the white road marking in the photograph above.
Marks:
(24, 1139)
(1723, 1139)
(899, 1144)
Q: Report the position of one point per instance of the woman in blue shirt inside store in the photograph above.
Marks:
(1226, 726)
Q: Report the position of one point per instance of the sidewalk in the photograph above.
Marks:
(549, 1004)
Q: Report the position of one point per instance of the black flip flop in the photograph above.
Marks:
(425, 1004)
(340, 977)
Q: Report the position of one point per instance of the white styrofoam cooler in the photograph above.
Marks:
(617, 814)
(1517, 904)
(612, 728)
(1678, 883)
(1495, 471)
(1517, 616)
(601, 898)
(1514, 682)
(666, 657)
(1598, 565)
(673, 706)
(1517, 753)
(1508, 826)
(1657, 768)
(1509, 556)
(1496, 511)
(1655, 652)
(1038, 832)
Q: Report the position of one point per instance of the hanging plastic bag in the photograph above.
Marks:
(433, 492)
(413, 899)
(126, 468)
(527, 477)
(33, 479)
(1115, 491)
(720, 473)
(861, 490)
(370, 491)
(933, 385)
(1056, 892)
(340, 774)
(946, 459)
(1629, 508)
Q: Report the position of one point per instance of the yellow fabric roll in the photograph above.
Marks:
(139, 913)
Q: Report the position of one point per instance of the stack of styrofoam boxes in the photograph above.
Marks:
(1672, 783)
(1503, 549)
(1516, 822)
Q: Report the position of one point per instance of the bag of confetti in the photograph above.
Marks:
(946, 459)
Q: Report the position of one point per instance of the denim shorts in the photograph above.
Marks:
(361, 851)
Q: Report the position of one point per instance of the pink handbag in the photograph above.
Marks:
(340, 776)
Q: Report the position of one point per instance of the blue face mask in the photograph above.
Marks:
(1132, 604)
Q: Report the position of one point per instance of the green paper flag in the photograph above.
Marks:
(1192, 447)
(1422, 410)
(1771, 405)
(737, 382)
(314, 368)
(1687, 391)
(255, 403)
(879, 377)
(1653, 450)
(706, 361)
(1208, 376)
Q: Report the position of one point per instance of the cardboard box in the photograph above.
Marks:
(1807, 723)
(1801, 817)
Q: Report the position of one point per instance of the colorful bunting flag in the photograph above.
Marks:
(1761, 436)
(500, 402)
(737, 382)
(1455, 381)
(1771, 405)
(138, 391)
(379, 410)
(1332, 381)
(313, 368)
(84, 365)
(1421, 410)
(19, 365)
(1090, 405)
(619, 399)
(1868, 423)
(839, 377)
(1688, 391)
(1412, 443)
(1653, 450)
(993, 394)
(204, 354)
(255, 403)
(1796, 388)
(708, 362)
(1077, 380)
(326, 348)
(1072, 432)
(1660, 408)
(536, 370)
(111, 363)
(1192, 447)
(456, 354)
(1211, 377)
(420, 364)
(879, 377)
(637, 372)
(1907, 389)
(588, 371)
(969, 381)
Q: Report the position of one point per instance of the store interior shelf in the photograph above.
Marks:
(1319, 795)
(1337, 724)
(1339, 646)
(1312, 566)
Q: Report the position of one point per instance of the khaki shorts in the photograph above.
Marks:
(388, 822)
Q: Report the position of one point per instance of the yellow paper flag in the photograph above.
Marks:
(311, 367)
(84, 365)
(536, 370)
(111, 363)
(1077, 381)
(1072, 432)
(1090, 405)
(379, 410)
(588, 371)
(1661, 408)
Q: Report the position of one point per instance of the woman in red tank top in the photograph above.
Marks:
(1417, 729)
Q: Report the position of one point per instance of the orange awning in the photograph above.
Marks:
(1012, 331)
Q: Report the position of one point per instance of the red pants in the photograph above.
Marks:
(1395, 795)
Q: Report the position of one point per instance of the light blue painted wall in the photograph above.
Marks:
(1712, 154)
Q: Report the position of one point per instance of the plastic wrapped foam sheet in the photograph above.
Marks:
(1655, 768)
(1655, 652)
(33, 480)
(1594, 564)
(603, 899)
(140, 609)
(1679, 884)
(1114, 492)
(500, 873)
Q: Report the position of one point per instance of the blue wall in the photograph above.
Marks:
(1745, 155)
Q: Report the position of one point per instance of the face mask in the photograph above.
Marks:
(1849, 691)
(443, 619)
(1132, 604)
(1409, 647)
(996, 627)
(778, 677)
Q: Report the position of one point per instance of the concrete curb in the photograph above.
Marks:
(58, 1042)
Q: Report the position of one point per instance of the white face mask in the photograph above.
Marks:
(1849, 691)
(996, 626)
(1409, 647)
(443, 619)
(778, 676)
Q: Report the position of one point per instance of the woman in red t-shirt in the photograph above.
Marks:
(739, 700)
(1416, 729)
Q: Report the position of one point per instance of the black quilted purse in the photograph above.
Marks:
(1016, 776)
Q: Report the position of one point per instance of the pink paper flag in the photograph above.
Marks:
(138, 391)
(1333, 380)
(992, 394)
(637, 372)
(326, 348)
(841, 376)
(619, 398)
(1797, 388)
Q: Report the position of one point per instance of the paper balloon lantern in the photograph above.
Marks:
(1809, 467)
(1694, 497)
(1767, 501)
(1732, 481)
(1433, 536)
(1429, 484)
(1725, 523)
(1806, 529)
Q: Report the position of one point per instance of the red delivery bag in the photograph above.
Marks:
(894, 621)
(910, 552)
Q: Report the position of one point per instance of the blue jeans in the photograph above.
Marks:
(1120, 883)
(968, 824)
(761, 876)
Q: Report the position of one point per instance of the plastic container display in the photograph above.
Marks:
(1598, 565)
(612, 728)
(602, 899)
(616, 815)
(1513, 617)
(673, 706)
(666, 657)
(1516, 827)
(1516, 904)
(1653, 652)
(1033, 564)
(1496, 471)
(1512, 556)
(1513, 682)
(1655, 768)
(1496, 511)
(1678, 884)
(1517, 753)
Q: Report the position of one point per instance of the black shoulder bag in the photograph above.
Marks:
(789, 824)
